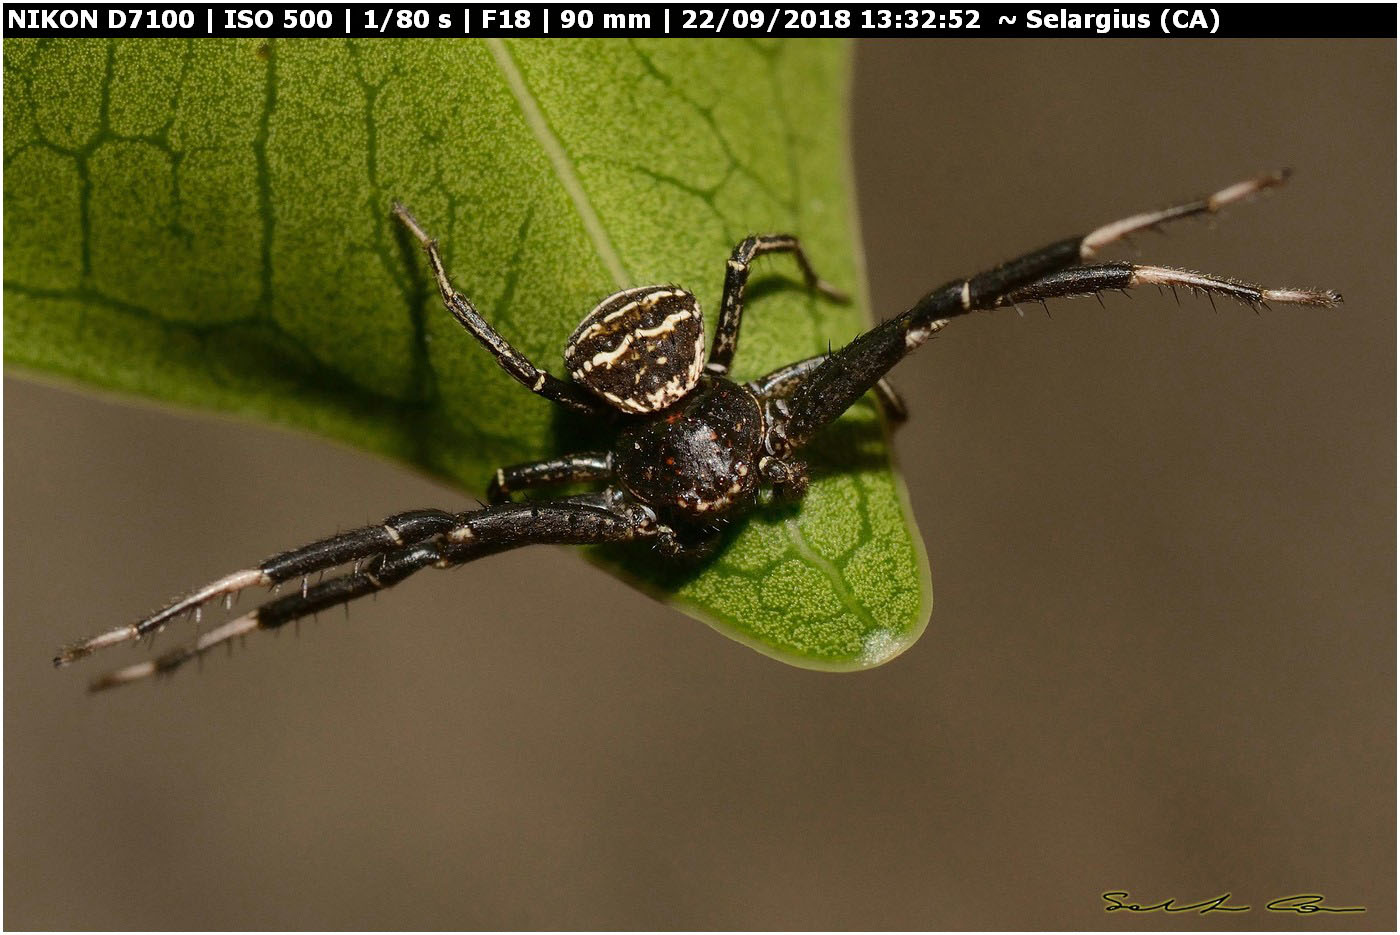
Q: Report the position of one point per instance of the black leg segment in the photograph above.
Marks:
(590, 465)
(1091, 280)
(1049, 272)
(357, 544)
(783, 382)
(385, 571)
(569, 395)
(736, 277)
(584, 520)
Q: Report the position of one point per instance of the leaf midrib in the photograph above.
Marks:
(559, 159)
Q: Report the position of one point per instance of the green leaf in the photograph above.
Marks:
(207, 223)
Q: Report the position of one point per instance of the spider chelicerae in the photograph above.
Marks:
(692, 447)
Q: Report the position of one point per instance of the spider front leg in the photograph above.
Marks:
(593, 519)
(393, 533)
(536, 379)
(736, 277)
(784, 381)
(1049, 272)
(1106, 277)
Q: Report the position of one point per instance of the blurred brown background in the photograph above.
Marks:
(1162, 652)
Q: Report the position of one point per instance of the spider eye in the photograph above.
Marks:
(641, 349)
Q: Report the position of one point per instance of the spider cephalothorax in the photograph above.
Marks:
(698, 461)
(692, 447)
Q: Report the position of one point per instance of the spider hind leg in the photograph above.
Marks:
(534, 378)
(736, 278)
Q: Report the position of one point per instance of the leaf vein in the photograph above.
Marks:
(563, 166)
(839, 587)
(264, 178)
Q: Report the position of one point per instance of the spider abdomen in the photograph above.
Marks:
(640, 349)
(698, 460)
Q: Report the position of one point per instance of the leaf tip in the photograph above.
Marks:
(883, 645)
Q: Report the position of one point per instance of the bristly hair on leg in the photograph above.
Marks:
(1097, 239)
